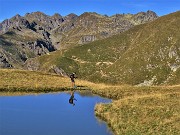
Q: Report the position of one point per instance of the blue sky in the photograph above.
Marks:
(9, 8)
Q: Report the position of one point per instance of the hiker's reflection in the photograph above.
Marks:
(71, 100)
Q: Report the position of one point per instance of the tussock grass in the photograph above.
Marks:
(141, 110)
(30, 81)
(22, 81)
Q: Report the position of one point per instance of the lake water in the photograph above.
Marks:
(51, 114)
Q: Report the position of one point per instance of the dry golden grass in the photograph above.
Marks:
(141, 110)
(13, 80)
(29, 81)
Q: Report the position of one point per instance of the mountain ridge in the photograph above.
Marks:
(37, 33)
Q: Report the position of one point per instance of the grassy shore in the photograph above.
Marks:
(29, 81)
(141, 110)
(134, 110)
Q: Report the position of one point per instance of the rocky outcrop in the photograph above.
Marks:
(57, 19)
(3, 62)
(17, 49)
(144, 17)
(65, 28)
(129, 20)
(46, 35)
(58, 71)
(40, 47)
(32, 64)
(87, 38)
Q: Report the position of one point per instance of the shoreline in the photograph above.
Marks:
(133, 110)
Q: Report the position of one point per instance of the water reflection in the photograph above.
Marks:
(72, 98)
(51, 114)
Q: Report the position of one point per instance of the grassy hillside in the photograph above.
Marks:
(154, 53)
(144, 55)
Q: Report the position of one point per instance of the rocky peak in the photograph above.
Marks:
(118, 15)
(16, 22)
(88, 19)
(138, 18)
(143, 17)
(57, 18)
(17, 16)
(44, 21)
(70, 17)
(37, 16)
(89, 15)
(151, 14)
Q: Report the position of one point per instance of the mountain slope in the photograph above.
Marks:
(144, 55)
(153, 56)
(37, 34)
(17, 47)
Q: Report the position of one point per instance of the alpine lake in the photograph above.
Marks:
(51, 114)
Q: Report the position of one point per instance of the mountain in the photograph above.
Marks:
(91, 26)
(24, 37)
(147, 54)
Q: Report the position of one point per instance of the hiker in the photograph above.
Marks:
(72, 76)
(71, 100)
